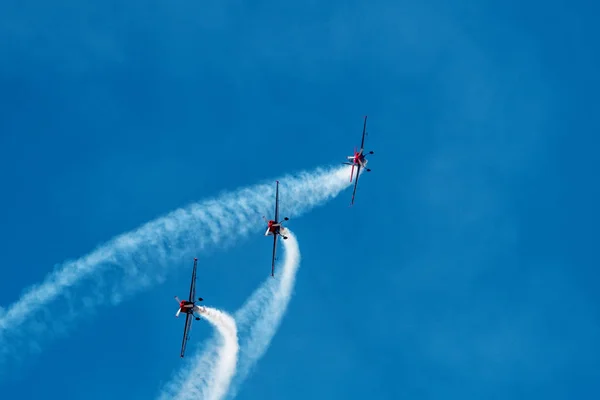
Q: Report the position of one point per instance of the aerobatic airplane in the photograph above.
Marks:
(358, 160)
(189, 307)
(274, 228)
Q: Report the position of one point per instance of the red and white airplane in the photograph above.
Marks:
(189, 307)
(275, 228)
(358, 160)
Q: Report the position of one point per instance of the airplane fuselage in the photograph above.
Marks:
(189, 307)
(273, 228)
(186, 306)
(359, 159)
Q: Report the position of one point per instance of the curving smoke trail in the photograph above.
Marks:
(262, 313)
(136, 260)
(260, 316)
(208, 375)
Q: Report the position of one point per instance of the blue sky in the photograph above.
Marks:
(467, 267)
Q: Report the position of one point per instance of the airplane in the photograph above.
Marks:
(358, 160)
(189, 307)
(274, 228)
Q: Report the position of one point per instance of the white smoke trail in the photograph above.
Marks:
(208, 375)
(136, 260)
(262, 313)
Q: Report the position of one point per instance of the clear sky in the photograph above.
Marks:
(465, 270)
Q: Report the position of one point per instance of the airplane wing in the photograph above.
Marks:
(277, 203)
(186, 333)
(355, 182)
(274, 250)
(362, 144)
(193, 284)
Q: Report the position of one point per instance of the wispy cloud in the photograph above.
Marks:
(136, 260)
